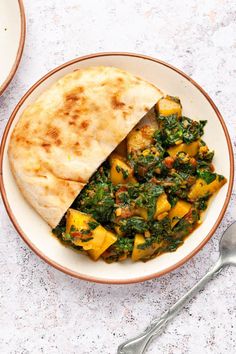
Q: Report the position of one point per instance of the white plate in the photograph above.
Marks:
(12, 38)
(196, 104)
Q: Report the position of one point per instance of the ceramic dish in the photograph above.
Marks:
(197, 105)
(12, 38)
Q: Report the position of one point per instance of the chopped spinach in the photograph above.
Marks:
(206, 175)
(158, 136)
(171, 129)
(183, 163)
(93, 225)
(148, 243)
(124, 197)
(147, 167)
(192, 130)
(59, 230)
(148, 193)
(201, 204)
(97, 198)
(124, 244)
(133, 225)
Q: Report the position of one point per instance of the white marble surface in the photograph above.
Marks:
(45, 311)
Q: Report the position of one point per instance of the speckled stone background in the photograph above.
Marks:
(45, 311)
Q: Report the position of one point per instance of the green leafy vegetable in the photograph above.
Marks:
(97, 198)
(206, 175)
(133, 225)
(148, 194)
(124, 244)
(192, 130)
(171, 129)
(93, 225)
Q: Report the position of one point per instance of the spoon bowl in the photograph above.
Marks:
(228, 246)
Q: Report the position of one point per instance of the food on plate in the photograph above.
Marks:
(88, 233)
(65, 135)
(169, 105)
(149, 194)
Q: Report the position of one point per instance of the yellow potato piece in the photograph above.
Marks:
(80, 222)
(139, 211)
(180, 209)
(139, 139)
(168, 105)
(117, 177)
(138, 253)
(162, 215)
(162, 205)
(110, 238)
(190, 149)
(201, 189)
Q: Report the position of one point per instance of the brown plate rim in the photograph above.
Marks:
(97, 279)
(19, 51)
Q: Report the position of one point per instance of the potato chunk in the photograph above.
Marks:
(201, 189)
(180, 209)
(169, 105)
(139, 211)
(139, 253)
(162, 205)
(110, 238)
(139, 139)
(78, 221)
(121, 173)
(162, 215)
(190, 149)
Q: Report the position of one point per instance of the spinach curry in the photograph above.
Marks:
(148, 195)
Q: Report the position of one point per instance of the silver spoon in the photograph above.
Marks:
(227, 257)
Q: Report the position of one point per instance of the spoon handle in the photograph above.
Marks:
(138, 344)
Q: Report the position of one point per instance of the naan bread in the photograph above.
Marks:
(64, 136)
